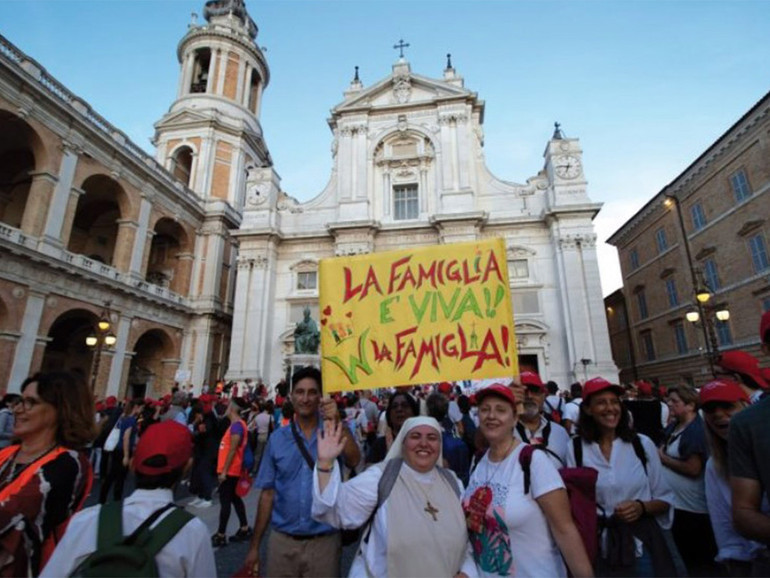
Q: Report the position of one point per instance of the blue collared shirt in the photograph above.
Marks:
(284, 470)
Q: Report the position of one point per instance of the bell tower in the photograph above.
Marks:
(211, 141)
(211, 136)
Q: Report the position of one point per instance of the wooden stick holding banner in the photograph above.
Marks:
(423, 315)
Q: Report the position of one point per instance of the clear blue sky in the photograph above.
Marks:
(645, 85)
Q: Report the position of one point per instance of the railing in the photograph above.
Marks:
(14, 236)
(11, 53)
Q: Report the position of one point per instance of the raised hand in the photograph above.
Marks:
(331, 443)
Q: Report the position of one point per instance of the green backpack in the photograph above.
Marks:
(117, 555)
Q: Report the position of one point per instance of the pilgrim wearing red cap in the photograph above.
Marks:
(743, 367)
(630, 484)
(720, 400)
(161, 457)
(534, 425)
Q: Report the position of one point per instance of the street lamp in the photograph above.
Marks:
(701, 292)
(97, 341)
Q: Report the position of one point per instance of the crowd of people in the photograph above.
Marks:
(516, 478)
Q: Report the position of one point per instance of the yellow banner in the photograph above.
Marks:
(439, 313)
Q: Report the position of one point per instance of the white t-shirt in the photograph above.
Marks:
(382, 425)
(188, 553)
(571, 412)
(558, 439)
(513, 521)
(454, 412)
(664, 414)
(689, 493)
(730, 544)
(555, 402)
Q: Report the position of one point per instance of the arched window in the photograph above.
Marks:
(181, 165)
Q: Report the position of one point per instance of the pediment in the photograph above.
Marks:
(402, 90)
(182, 117)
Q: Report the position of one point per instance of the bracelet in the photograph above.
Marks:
(644, 508)
(325, 470)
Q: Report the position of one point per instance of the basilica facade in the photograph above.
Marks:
(202, 265)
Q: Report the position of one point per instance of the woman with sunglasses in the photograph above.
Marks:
(721, 400)
(45, 478)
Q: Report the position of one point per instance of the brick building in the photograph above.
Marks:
(718, 208)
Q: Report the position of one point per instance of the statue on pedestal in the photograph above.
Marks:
(306, 335)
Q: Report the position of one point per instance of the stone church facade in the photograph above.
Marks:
(204, 265)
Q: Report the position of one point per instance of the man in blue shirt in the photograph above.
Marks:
(298, 545)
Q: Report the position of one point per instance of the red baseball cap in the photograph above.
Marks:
(598, 384)
(743, 363)
(531, 378)
(764, 328)
(722, 390)
(499, 390)
(169, 445)
(111, 401)
(644, 387)
(445, 387)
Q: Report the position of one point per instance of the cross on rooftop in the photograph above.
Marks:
(401, 45)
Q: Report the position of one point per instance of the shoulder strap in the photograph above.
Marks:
(525, 460)
(301, 445)
(450, 479)
(577, 446)
(546, 432)
(110, 529)
(384, 487)
(636, 442)
(154, 539)
(522, 432)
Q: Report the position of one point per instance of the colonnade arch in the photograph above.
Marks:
(146, 372)
(66, 349)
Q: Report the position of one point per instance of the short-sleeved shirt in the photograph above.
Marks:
(750, 444)
(557, 442)
(284, 470)
(126, 423)
(513, 521)
(689, 492)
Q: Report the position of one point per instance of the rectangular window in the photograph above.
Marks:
(634, 257)
(766, 304)
(518, 269)
(405, 202)
(758, 253)
(724, 335)
(711, 274)
(307, 280)
(660, 238)
(673, 297)
(648, 347)
(680, 338)
(740, 184)
(698, 217)
(641, 301)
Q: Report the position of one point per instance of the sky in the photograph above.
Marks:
(645, 85)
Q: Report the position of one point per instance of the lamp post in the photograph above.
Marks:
(98, 339)
(702, 310)
(586, 363)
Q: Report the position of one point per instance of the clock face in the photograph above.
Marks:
(567, 166)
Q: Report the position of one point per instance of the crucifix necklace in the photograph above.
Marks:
(429, 508)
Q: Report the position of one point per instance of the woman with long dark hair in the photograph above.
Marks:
(633, 500)
(401, 407)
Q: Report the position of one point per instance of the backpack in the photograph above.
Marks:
(134, 555)
(580, 482)
(554, 413)
(388, 480)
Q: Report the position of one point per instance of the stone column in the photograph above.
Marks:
(183, 274)
(185, 76)
(215, 54)
(119, 357)
(146, 254)
(140, 239)
(57, 211)
(69, 215)
(124, 243)
(25, 348)
(38, 201)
